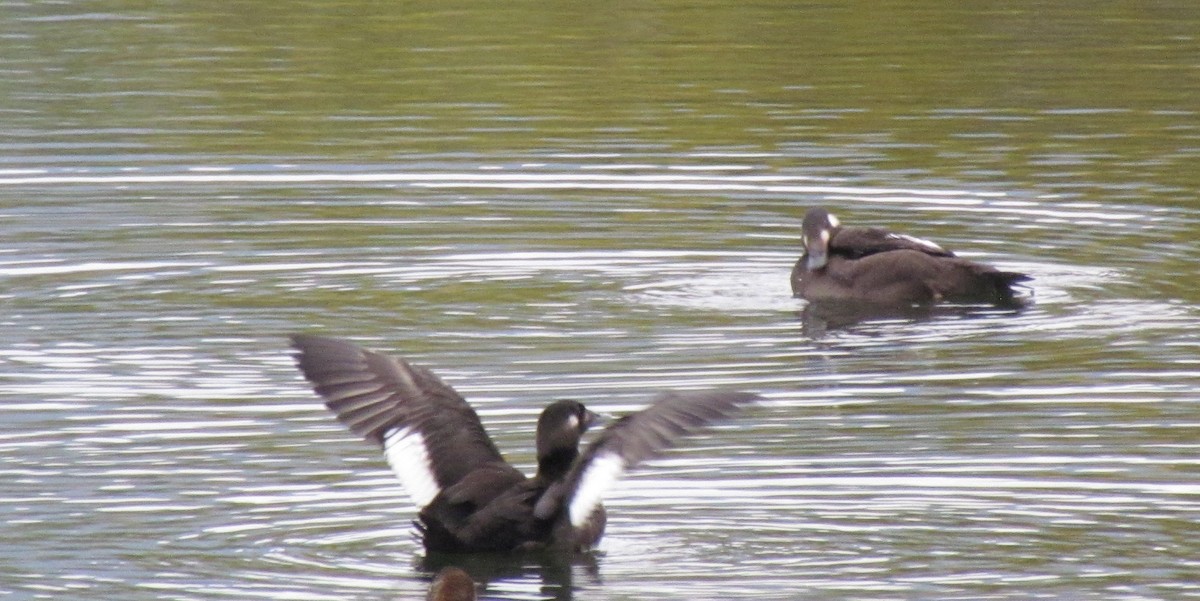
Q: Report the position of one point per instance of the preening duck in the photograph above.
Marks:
(873, 265)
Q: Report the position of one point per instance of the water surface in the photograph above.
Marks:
(544, 200)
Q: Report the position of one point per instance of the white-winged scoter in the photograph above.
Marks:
(873, 265)
(470, 498)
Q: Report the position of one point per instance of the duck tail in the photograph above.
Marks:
(1010, 287)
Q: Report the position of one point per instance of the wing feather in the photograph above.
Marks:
(430, 436)
(640, 436)
(858, 242)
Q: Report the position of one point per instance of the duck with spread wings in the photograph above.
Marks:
(471, 499)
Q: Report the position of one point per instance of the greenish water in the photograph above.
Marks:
(540, 200)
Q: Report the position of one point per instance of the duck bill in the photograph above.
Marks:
(817, 255)
(591, 418)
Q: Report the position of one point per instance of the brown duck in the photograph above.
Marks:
(875, 266)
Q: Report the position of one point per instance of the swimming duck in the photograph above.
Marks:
(470, 498)
(875, 266)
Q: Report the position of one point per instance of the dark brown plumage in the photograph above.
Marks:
(470, 498)
(875, 266)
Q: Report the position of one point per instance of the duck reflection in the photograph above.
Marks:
(818, 319)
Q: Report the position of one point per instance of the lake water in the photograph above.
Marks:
(599, 202)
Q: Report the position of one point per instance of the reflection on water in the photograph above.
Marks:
(599, 204)
(819, 319)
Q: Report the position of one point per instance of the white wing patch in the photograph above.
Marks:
(921, 241)
(404, 449)
(600, 474)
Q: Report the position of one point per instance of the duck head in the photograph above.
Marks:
(452, 584)
(818, 229)
(559, 430)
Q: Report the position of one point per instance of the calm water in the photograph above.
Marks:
(547, 200)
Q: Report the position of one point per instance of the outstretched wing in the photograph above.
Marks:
(640, 436)
(429, 434)
(858, 242)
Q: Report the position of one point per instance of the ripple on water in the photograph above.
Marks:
(155, 414)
